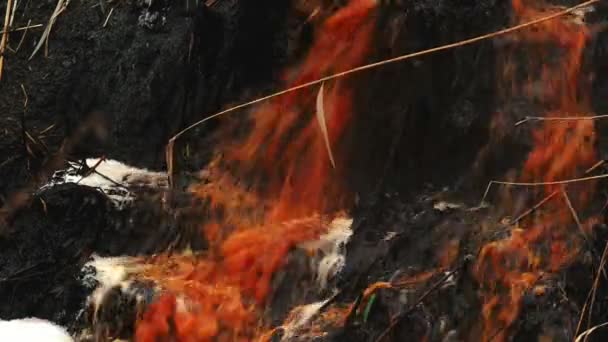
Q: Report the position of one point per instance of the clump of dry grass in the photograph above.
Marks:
(7, 23)
(44, 39)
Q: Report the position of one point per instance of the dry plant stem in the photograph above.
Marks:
(595, 166)
(588, 332)
(323, 123)
(93, 169)
(24, 28)
(595, 286)
(593, 290)
(47, 31)
(395, 319)
(535, 207)
(105, 23)
(4, 41)
(24, 35)
(562, 118)
(25, 97)
(575, 215)
(13, 11)
(567, 181)
(170, 145)
(581, 229)
(583, 311)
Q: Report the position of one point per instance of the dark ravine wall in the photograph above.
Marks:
(149, 82)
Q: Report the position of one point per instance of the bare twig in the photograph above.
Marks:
(588, 332)
(574, 214)
(47, 129)
(105, 23)
(580, 227)
(567, 181)
(10, 22)
(25, 98)
(595, 166)
(560, 118)
(24, 34)
(535, 207)
(92, 169)
(593, 290)
(8, 160)
(583, 311)
(24, 28)
(4, 40)
(170, 145)
(398, 317)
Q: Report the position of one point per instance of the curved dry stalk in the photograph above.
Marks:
(61, 5)
(560, 118)
(323, 124)
(373, 66)
(592, 292)
(588, 332)
(566, 181)
(4, 41)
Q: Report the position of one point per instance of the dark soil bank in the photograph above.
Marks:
(144, 70)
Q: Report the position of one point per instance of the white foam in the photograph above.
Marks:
(299, 318)
(112, 177)
(109, 273)
(332, 245)
(32, 329)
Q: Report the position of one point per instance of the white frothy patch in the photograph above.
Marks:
(109, 273)
(332, 247)
(112, 177)
(32, 329)
(299, 318)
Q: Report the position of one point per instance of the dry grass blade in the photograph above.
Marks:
(105, 23)
(47, 31)
(169, 160)
(384, 62)
(323, 123)
(592, 292)
(581, 229)
(588, 332)
(25, 34)
(560, 118)
(595, 166)
(10, 22)
(4, 41)
(566, 181)
(25, 97)
(396, 318)
(24, 28)
(534, 208)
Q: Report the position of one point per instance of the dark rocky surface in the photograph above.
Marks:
(155, 68)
